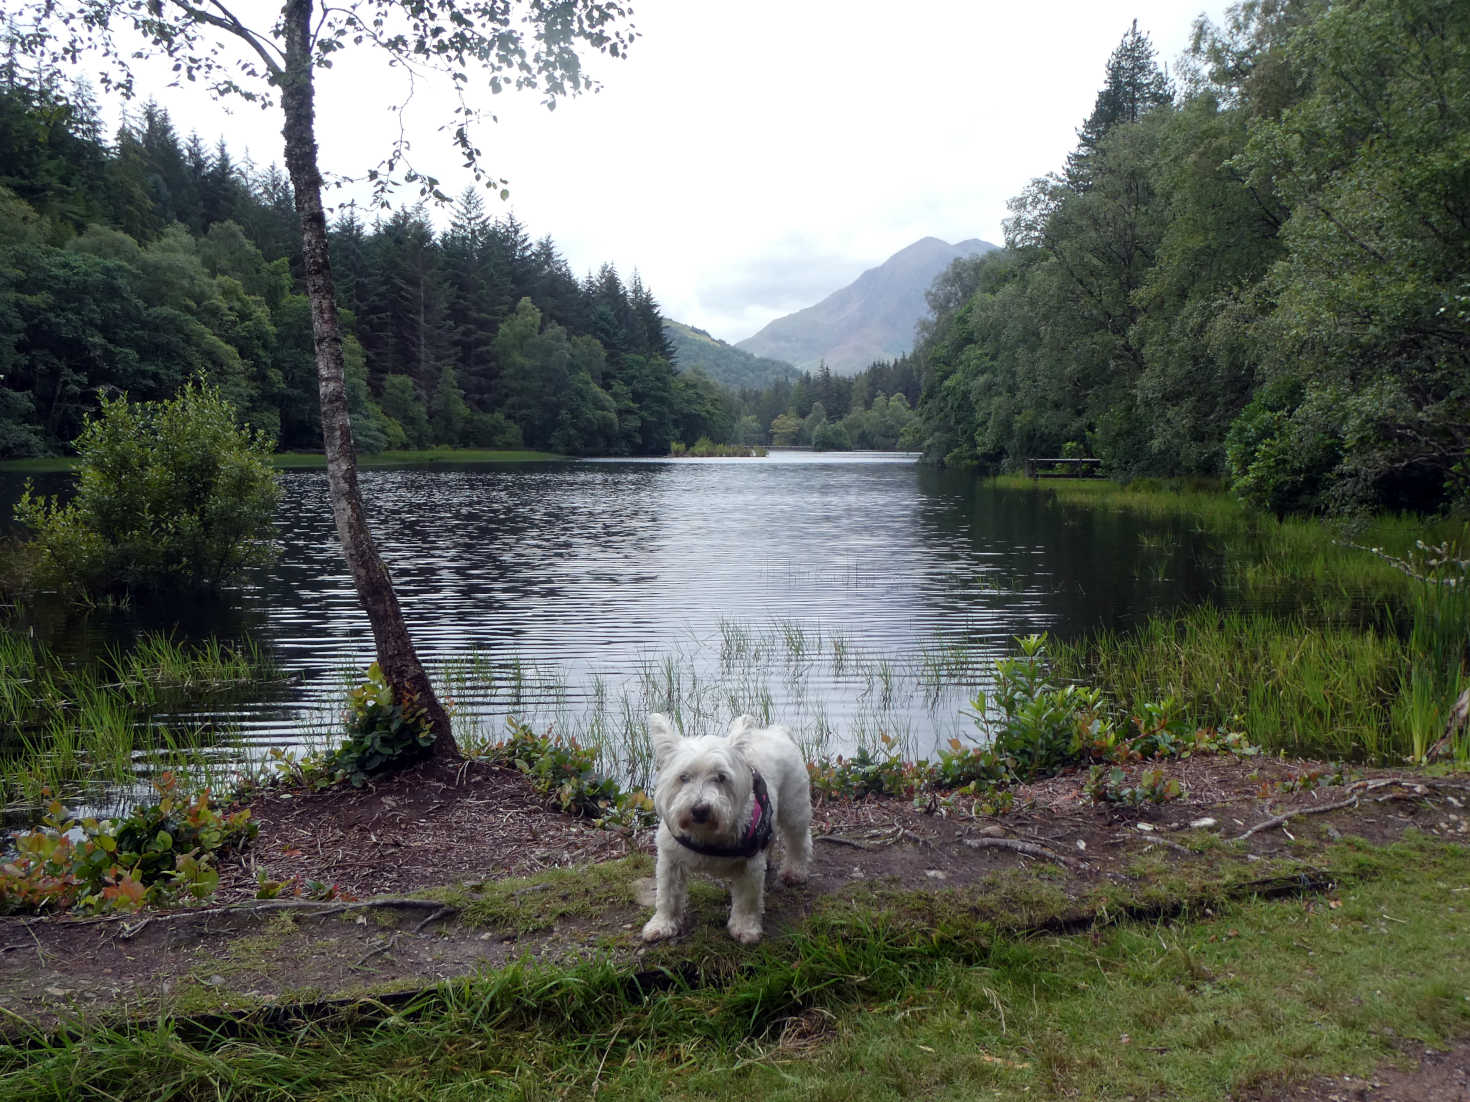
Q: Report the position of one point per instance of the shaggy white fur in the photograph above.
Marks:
(714, 820)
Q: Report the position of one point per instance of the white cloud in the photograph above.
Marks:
(751, 156)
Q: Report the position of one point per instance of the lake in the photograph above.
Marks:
(851, 596)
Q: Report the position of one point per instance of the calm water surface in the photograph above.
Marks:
(850, 596)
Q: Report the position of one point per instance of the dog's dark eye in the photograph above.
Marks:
(683, 778)
(720, 778)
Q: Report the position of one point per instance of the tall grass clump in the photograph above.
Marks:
(1352, 639)
(1321, 692)
(67, 729)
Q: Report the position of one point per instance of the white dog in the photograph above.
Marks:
(718, 800)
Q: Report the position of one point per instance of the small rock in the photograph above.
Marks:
(58, 992)
(1203, 824)
(936, 874)
(1081, 844)
(1145, 826)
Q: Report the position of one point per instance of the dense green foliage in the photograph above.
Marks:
(137, 264)
(1266, 278)
(170, 496)
(383, 732)
(158, 853)
(872, 410)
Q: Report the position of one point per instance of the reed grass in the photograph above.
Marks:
(82, 731)
(1355, 645)
(832, 694)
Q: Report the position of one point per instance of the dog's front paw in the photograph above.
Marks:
(792, 875)
(659, 927)
(744, 930)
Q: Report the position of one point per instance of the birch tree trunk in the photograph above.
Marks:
(396, 656)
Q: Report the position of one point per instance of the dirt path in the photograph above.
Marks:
(292, 956)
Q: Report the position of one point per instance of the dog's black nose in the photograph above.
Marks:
(700, 813)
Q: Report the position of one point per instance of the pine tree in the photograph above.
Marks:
(478, 288)
(1135, 85)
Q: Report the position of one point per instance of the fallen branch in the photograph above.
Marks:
(371, 953)
(312, 909)
(1029, 849)
(1459, 718)
(443, 912)
(1287, 816)
(843, 841)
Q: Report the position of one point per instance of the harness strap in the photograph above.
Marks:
(757, 834)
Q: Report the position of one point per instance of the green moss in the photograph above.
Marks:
(526, 904)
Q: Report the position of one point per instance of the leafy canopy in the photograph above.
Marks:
(522, 44)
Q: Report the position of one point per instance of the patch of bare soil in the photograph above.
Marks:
(1423, 1076)
(343, 862)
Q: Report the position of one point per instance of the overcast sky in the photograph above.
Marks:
(752, 156)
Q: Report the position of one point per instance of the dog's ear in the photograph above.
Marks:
(662, 736)
(741, 728)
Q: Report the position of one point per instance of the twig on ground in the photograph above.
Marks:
(1416, 786)
(1287, 816)
(1029, 849)
(844, 841)
(443, 912)
(371, 953)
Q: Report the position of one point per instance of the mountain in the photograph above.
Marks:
(870, 319)
(722, 362)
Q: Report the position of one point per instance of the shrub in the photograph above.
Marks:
(1109, 785)
(158, 853)
(565, 773)
(170, 496)
(1044, 726)
(384, 732)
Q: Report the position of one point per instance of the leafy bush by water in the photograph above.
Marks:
(1037, 728)
(566, 774)
(384, 732)
(159, 853)
(170, 495)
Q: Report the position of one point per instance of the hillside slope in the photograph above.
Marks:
(870, 319)
(723, 363)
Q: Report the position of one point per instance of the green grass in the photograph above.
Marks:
(77, 730)
(880, 998)
(1355, 644)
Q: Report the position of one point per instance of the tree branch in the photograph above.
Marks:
(231, 25)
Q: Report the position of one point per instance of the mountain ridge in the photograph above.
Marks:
(870, 320)
(724, 363)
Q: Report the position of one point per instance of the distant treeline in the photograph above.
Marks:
(1264, 275)
(135, 264)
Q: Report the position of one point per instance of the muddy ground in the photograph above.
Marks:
(344, 864)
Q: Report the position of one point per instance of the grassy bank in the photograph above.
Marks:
(1354, 644)
(884, 995)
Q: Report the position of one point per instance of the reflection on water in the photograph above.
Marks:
(849, 596)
